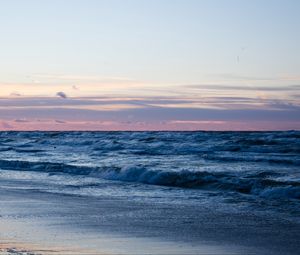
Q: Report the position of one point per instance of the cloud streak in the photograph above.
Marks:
(151, 110)
(188, 111)
(244, 88)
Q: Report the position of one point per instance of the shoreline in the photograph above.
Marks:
(49, 223)
(10, 247)
(44, 224)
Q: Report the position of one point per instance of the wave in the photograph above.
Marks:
(28, 150)
(2, 149)
(223, 181)
(47, 167)
(258, 185)
(256, 146)
(273, 159)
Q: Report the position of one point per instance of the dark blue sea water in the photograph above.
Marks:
(252, 170)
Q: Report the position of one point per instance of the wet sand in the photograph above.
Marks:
(37, 222)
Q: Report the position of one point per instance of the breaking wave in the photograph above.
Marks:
(261, 184)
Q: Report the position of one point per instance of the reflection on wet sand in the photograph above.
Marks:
(11, 247)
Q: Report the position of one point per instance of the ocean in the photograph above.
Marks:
(249, 174)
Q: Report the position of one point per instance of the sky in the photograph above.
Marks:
(149, 65)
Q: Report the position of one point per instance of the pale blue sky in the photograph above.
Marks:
(202, 51)
(179, 41)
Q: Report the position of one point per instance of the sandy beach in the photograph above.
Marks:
(37, 222)
(44, 223)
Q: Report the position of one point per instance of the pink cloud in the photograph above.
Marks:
(148, 113)
(58, 125)
(5, 126)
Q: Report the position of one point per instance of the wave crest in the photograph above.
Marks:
(261, 185)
